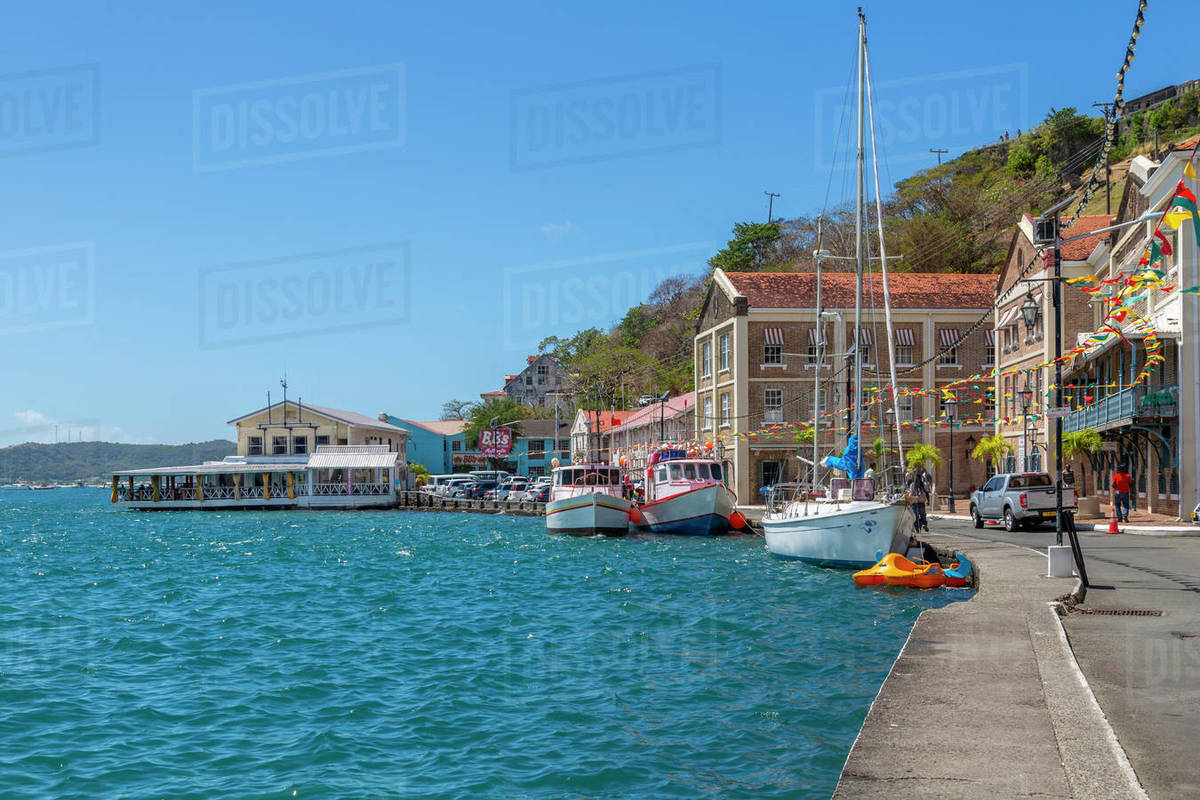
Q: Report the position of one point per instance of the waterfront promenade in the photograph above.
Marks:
(994, 696)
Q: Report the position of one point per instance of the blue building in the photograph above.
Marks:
(439, 446)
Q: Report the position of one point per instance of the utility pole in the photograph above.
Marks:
(1107, 109)
(939, 153)
(770, 204)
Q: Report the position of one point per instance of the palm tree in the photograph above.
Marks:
(993, 449)
(923, 454)
(1086, 441)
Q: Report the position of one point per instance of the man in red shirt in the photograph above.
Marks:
(1122, 483)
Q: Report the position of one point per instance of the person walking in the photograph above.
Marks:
(1122, 484)
(917, 490)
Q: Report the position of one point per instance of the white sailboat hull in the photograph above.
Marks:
(847, 534)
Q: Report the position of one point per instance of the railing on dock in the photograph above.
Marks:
(426, 501)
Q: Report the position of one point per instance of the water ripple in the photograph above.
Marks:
(398, 655)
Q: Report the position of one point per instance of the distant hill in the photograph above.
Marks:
(73, 461)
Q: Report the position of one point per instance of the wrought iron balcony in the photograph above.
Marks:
(1126, 407)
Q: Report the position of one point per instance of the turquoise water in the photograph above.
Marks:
(389, 654)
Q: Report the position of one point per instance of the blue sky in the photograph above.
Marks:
(394, 202)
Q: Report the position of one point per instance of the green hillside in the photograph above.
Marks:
(73, 461)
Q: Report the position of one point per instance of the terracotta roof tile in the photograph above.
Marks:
(1080, 250)
(907, 289)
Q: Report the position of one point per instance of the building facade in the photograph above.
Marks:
(756, 348)
(290, 455)
(440, 446)
(1024, 378)
(1147, 419)
(666, 421)
(591, 434)
(541, 383)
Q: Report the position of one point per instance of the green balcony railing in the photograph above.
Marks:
(1128, 404)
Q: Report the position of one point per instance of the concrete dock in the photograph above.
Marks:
(1000, 696)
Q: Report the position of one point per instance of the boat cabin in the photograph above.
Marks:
(674, 472)
(587, 475)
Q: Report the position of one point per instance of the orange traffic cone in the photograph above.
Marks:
(1112, 523)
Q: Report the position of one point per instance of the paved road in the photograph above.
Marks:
(1144, 671)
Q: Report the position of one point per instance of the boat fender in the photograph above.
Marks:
(737, 520)
(635, 514)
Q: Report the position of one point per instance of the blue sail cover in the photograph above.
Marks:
(849, 461)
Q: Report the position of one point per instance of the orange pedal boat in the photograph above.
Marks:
(896, 570)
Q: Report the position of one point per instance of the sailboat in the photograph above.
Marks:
(843, 525)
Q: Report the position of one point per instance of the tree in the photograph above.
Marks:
(993, 449)
(1086, 441)
(925, 454)
(493, 412)
(456, 409)
(752, 247)
(419, 472)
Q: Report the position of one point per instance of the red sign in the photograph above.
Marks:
(495, 443)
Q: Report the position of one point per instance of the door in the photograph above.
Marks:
(990, 503)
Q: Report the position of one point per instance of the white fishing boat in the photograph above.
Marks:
(686, 495)
(845, 524)
(588, 500)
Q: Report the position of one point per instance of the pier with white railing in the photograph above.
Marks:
(335, 476)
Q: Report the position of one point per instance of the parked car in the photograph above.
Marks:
(480, 488)
(506, 491)
(1019, 499)
(539, 494)
(458, 488)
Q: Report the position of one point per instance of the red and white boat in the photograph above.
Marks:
(686, 495)
(588, 500)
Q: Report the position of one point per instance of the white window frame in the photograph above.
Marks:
(726, 406)
(772, 412)
(904, 407)
(707, 412)
(903, 360)
(775, 357)
(949, 358)
(724, 353)
(254, 446)
(706, 359)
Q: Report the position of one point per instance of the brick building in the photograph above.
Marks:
(756, 352)
(1150, 426)
(1023, 396)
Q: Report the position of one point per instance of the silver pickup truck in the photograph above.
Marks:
(1018, 499)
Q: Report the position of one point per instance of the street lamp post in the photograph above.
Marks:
(950, 404)
(1026, 402)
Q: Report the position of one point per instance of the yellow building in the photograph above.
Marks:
(289, 455)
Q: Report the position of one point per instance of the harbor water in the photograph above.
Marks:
(409, 654)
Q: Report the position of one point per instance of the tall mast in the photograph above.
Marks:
(860, 186)
(820, 337)
(883, 271)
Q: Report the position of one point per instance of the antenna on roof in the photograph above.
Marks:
(268, 406)
(299, 409)
(283, 383)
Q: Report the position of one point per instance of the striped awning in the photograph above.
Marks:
(991, 336)
(773, 335)
(1009, 317)
(948, 337)
(812, 336)
(864, 336)
(904, 337)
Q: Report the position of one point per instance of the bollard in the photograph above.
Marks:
(1061, 562)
